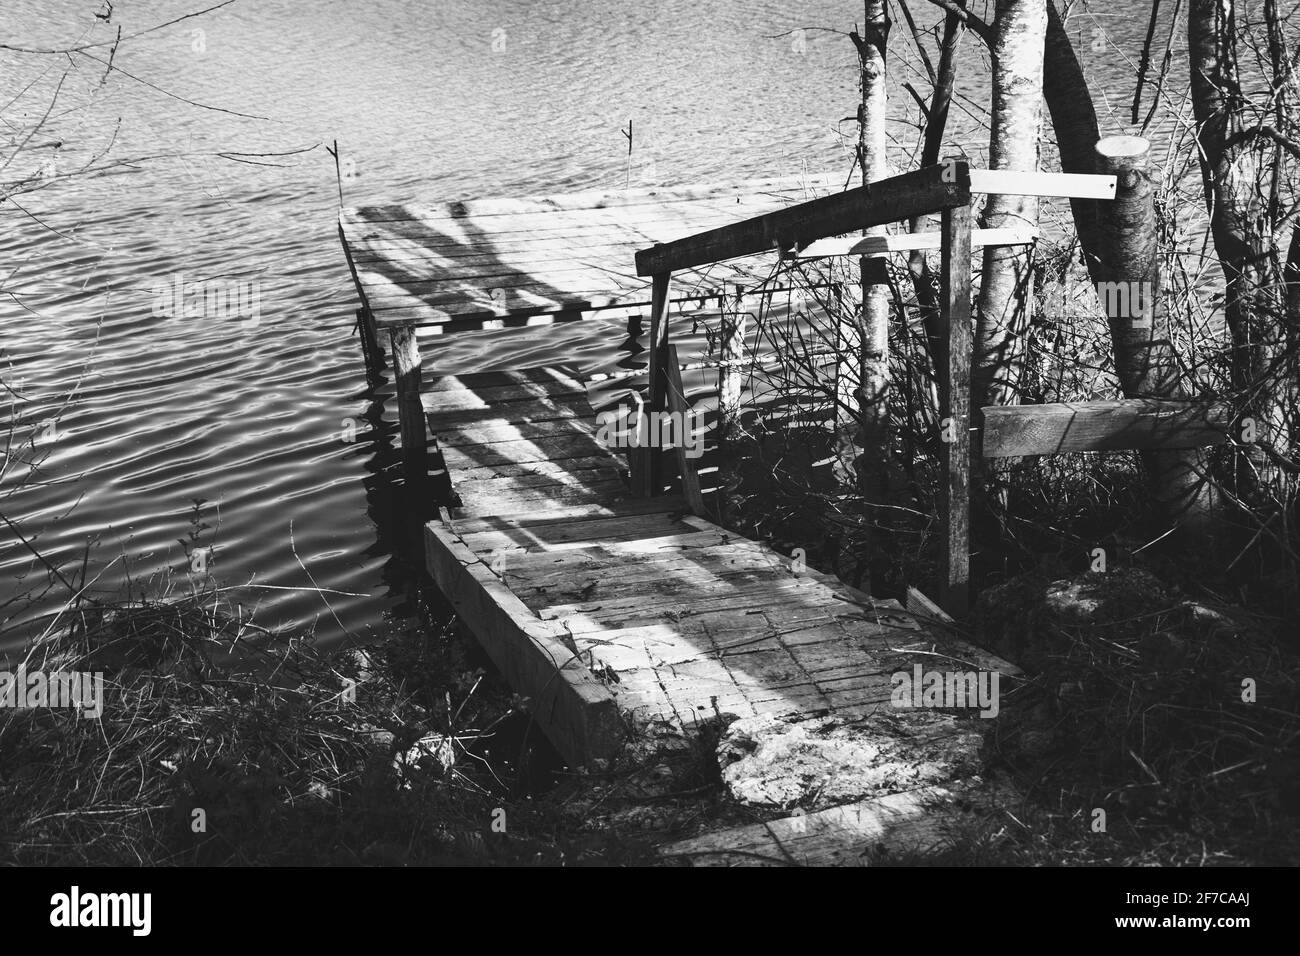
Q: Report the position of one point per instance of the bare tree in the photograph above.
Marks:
(1019, 30)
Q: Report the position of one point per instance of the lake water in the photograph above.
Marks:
(431, 100)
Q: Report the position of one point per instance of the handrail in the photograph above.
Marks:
(918, 193)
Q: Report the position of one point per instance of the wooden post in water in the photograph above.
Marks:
(647, 462)
(1128, 288)
(410, 409)
(954, 413)
(731, 360)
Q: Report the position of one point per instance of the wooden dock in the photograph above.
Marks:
(596, 581)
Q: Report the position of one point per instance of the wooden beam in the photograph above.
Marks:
(1012, 182)
(678, 404)
(907, 242)
(574, 710)
(954, 413)
(410, 410)
(1136, 423)
(917, 193)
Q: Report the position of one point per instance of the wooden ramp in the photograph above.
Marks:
(618, 615)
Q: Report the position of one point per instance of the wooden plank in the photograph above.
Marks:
(582, 469)
(521, 451)
(608, 554)
(775, 187)
(495, 383)
(682, 582)
(908, 242)
(578, 571)
(649, 608)
(574, 710)
(574, 534)
(487, 498)
(916, 193)
(923, 821)
(625, 508)
(954, 413)
(1019, 430)
(1012, 182)
(564, 510)
(506, 398)
(470, 316)
(443, 419)
(678, 405)
(492, 432)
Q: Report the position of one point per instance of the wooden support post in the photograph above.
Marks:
(371, 350)
(678, 404)
(647, 461)
(731, 360)
(410, 409)
(954, 413)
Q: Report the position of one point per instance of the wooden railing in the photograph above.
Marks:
(808, 230)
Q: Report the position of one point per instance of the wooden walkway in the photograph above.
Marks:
(624, 617)
(647, 613)
(631, 618)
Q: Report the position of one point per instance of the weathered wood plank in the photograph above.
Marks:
(502, 432)
(649, 608)
(521, 451)
(531, 519)
(506, 399)
(565, 535)
(442, 418)
(489, 497)
(681, 582)
(574, 710)
(498, 383)
(580, 468)
(916, 193)
(1019, 430)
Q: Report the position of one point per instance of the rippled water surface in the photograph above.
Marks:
(433, 100)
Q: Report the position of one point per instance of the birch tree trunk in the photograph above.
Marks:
(873, 344)
(1002, 314)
